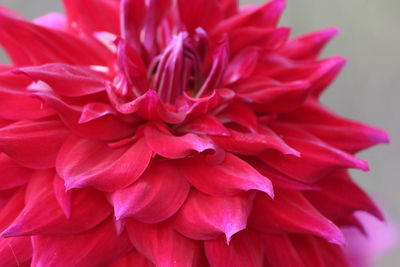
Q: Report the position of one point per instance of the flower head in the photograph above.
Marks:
(163, 133)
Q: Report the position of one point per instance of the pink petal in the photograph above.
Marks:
(15, 100)
(63, 197)
(206, 124)
(253, 143)
(83, 163)
(12, 208)
(264, 38)
(99, 15)
(30, 44)
(342, 133)
(66, 80)
(133, 14)
(198, 13)
(162, 245)
(264, 16)
(97, 247)
(299, 216)
(132, 259)
(156, 196)
(206, 217)
(43, 215)
(279, 251)
(272, 96)
(53, 20)
(15, 251)
(308, 46)
(339, 195)
(240, 113)
(245, 249)
(33, 144)
(229, 178)
(317, 158)
(12, 174)
(107, 127)
(162, 142)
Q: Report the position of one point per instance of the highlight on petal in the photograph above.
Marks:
(156, 196)
(162, 142)
(99, 246)
(207, 217)
(162, 245)
(228, 178)
(66, 80)
(33, 144)
(245, 249)
(83, 163)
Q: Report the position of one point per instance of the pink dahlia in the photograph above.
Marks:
(155, 133)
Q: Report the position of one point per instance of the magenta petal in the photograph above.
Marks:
(299, 216)
(206, 217)
(64, 197)
(317, 158)
(97, 247)
(199, 13)
(16, 104)
(43, 215)
(12, 208)
(279, 251)
(66, 80)
(230, 177)
(245, 249)
(12, 174)
(132, 259)
(240, 113)
(99, 15)
(107, 127)
(162, 245)
(253, 143)
(83, 163)
(207, 125)
(308, 46)
(156, 196)
(15, 251)
(30, 44)
(33, 144)
(162, 142)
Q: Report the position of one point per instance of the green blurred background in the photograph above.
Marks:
(368, 89)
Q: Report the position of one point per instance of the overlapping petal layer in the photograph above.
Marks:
(173, 133)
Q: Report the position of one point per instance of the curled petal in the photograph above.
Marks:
(299, 216)
(156, 196)
(162, 142)
(83, 163)
(33, 144)
(162, 245)
(207, 217)
(66, 80)
(228, 178)
(97, 247)
(245, 249)
(206, 124)
(240, 113)
(107, 127)
(43, 215)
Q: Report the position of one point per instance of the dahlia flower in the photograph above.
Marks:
(163, 133)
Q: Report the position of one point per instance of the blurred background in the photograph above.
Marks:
(368, 89)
